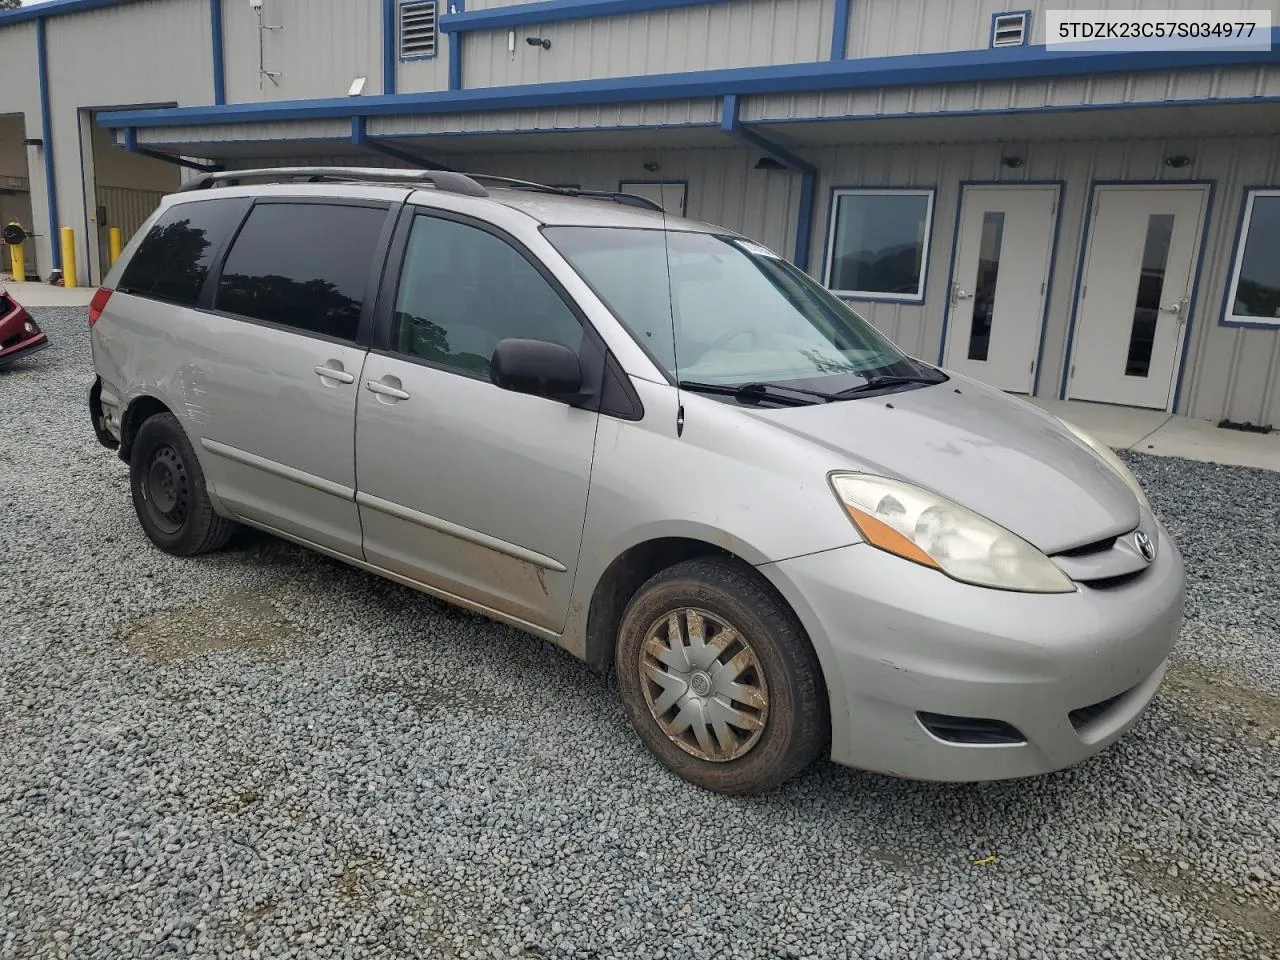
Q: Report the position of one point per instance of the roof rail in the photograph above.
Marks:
(445, 180)
(630, 199)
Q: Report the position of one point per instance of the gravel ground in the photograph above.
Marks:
(264, 753)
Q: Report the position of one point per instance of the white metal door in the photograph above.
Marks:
(1132, 313)
(1000, 279)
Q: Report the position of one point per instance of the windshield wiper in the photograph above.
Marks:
(755, 392)
(891, 380)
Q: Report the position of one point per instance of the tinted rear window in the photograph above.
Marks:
(173, 259)
(302, 265)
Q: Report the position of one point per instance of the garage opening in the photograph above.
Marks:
(15, 191)
(122, 190)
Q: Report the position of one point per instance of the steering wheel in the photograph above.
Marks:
(732, 335)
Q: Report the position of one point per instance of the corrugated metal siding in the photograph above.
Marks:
(737, 34)
(415, 76)
(884, 28)
(723, 185)
(20, 93)
(128, 208)
(1134, 88)
(1230, 372)
(323, 45)
(664, 113)
(150, 52)
(233, 132)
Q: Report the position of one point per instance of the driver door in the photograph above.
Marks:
(473, 490)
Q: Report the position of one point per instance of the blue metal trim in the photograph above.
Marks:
(804, 218)
(1085, 235)
(731, 124)
(965, 66)
(219, 69)
(455, 51)
(131, 144)
(1026, 28)
(390, 45)
(912, 300)
(46, 134)
(1061, 187)
(840, 30)
(555, 11)
(1226, 312)
(56, 8)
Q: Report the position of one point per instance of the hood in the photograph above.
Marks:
(997, 455)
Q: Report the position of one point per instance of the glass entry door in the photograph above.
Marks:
(999, 282)
(1132, 310)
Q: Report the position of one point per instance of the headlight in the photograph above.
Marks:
(1108, 456)
(917, 525)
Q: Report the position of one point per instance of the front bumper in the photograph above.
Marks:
(23, 348)
(896, 639)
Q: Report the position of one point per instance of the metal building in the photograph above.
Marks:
(1092, 225)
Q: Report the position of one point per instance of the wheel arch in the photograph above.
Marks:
(140, 409)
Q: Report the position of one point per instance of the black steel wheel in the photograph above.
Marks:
(169, 492)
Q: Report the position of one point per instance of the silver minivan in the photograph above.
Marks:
(650, 441)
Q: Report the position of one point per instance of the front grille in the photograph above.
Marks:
(1083, 716)
(969, 729)
(1111, 583)
(1088, 549)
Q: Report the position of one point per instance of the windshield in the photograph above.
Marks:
(741, 314)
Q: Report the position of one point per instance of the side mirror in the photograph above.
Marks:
(538, 367)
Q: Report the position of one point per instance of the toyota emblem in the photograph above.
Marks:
(1146, 546)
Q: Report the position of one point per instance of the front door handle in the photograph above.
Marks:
(386, 389)
(957, 294)
(1174, 308)
(335, 373)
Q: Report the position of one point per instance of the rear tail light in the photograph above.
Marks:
(98, 304)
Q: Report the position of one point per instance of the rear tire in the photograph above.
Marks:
(169, 492)
(719, 680)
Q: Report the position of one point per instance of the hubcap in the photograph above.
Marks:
(165, 489)
(704, 685)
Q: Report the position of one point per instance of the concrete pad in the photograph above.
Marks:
(1165, 435)
(1201, 440)
(46, 295)
(1115, 426)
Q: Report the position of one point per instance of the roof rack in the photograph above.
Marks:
(630, 199)
(446, 180)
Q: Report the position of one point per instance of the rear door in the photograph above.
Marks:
(273, 376)
(476, 491)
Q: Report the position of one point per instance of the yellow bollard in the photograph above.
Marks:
(115, 242)
(69, 276)
(18, 262)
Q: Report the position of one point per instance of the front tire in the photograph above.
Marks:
(169, 492)
(719, 680)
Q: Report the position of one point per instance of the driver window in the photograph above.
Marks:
(462, 290)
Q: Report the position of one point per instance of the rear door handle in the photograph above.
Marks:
(385, 389)
(335, 373)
